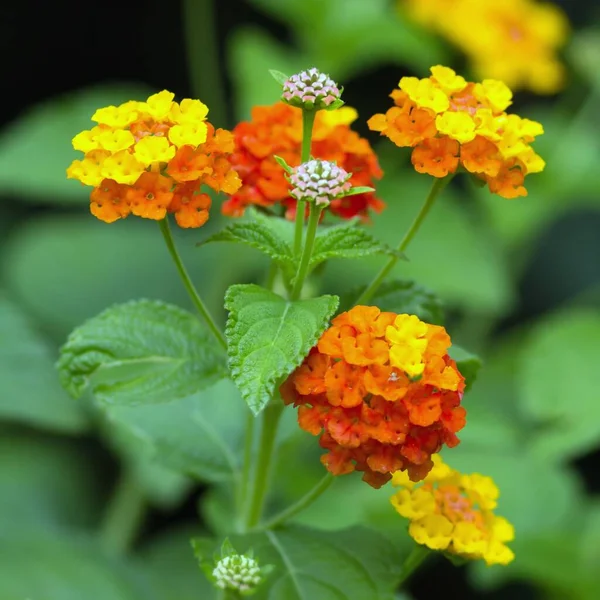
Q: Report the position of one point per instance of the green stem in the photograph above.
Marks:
(123, 516)
(414, 560)
(300, 505)
(311, 233)
(270, 421)
(308, 119)
(247, 466)
(437, 187)
(187, 282)
(203, 56)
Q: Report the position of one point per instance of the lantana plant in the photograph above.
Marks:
(380, 387)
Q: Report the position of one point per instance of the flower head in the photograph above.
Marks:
(310, 90)
(453, 512)
(151, 158)
(450, 122)
(382, 392)
(319, 181)
(516, 41)
(277, 130)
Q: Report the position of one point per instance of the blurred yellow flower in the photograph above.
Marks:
(452, 512)
(515, 41)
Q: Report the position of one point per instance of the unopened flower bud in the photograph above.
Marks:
(310, 90)
(319, 181)
(237, 572)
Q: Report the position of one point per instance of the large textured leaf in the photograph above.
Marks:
(346, 241)
(201, 435)
(557, 377)
(29, 388)
(268, 337)
(402, 297)
(141, 352)
(354, 564)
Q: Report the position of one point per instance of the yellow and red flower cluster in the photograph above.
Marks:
(516, 41)
(453, 512)
(277, 130)
(382, 392)
(450, 122)
(151, 158)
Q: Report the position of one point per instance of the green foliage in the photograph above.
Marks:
(31, 393)
(468, 364)
(268, 337)
(347, 240)
(142, 352)
(355, 563)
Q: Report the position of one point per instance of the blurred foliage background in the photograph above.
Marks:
(520, 280)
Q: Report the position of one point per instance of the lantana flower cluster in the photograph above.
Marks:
(382, 393)
(276, 130)
(516, 41)
(450, 122)
(453, 512)
(152, 158)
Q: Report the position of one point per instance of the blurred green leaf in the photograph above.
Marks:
(468, 364)
(402, 297)
(35, 150)
(46, 483)
(142, 352)
(268, 337)
(557, 370)
(199, 436)
(30, 390)
(64, 269)
(354, 563)
(173, 570)
(39, 566)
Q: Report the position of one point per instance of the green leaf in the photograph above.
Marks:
(402, 297)
(355, 563)
(35, 150)
(31, 393)
(268, 337)
(281, 162)
(468, 364)
(200, 436)
(259, 236)
(278, 76)
(141, 352)
(361, 189)
(556, 375)
(347, 241)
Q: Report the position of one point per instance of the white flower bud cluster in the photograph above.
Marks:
(237, 572)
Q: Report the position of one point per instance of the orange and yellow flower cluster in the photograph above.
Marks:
(516, 41)
(151, 158)
(277, 130)
(450, 122)
(453, 512)
(382, 392)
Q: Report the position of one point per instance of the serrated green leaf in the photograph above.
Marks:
(268, 337)
(141, 352)
(278, 76)
(200, 436)
(30, 390)
(347, 241)
(356, 564)
(259, 236)
(402, 296)
(468, 364)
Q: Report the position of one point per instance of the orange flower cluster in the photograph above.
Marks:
(277, 130)
(450, 122)
(382, 392)
(152, 158)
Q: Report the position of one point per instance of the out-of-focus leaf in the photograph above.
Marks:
(141, 352)
(268, 337)
(35, 150)
(199, 436)
(29, 388)
(468, 364)
(557, 377)
(45, 483)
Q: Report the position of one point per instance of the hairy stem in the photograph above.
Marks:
(311, 233)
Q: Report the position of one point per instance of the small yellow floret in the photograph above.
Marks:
(115, 140)
(122, 167)
(188, 111)
(115, 116)
(159, 105)
(496, 93)
(153, 149)
(341, 116)
(89, 170)
(425, 94)
(448, 80)
(433, 531)
(456, 125)
(87, 140)
(188, 134)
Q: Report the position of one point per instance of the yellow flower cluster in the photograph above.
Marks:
(513, 40)
(452, 512)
